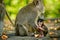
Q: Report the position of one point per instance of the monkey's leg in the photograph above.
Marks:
(17, 30)
(21, 31)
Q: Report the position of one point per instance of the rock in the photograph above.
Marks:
(31, 38)
(21, 38)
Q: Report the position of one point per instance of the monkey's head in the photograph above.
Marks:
(39, 5)
(1, 1)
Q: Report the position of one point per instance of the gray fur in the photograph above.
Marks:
(26, 19)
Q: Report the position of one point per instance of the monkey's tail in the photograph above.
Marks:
(9, 19)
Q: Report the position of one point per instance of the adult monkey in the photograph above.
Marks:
(27, 17)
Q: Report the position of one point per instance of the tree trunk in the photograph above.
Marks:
(2, 13)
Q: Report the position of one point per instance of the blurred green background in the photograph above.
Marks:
(52, 7)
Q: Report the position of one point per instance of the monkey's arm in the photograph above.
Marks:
(38, 16)
(41, 28)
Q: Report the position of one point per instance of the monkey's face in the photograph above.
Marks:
(39, 5)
